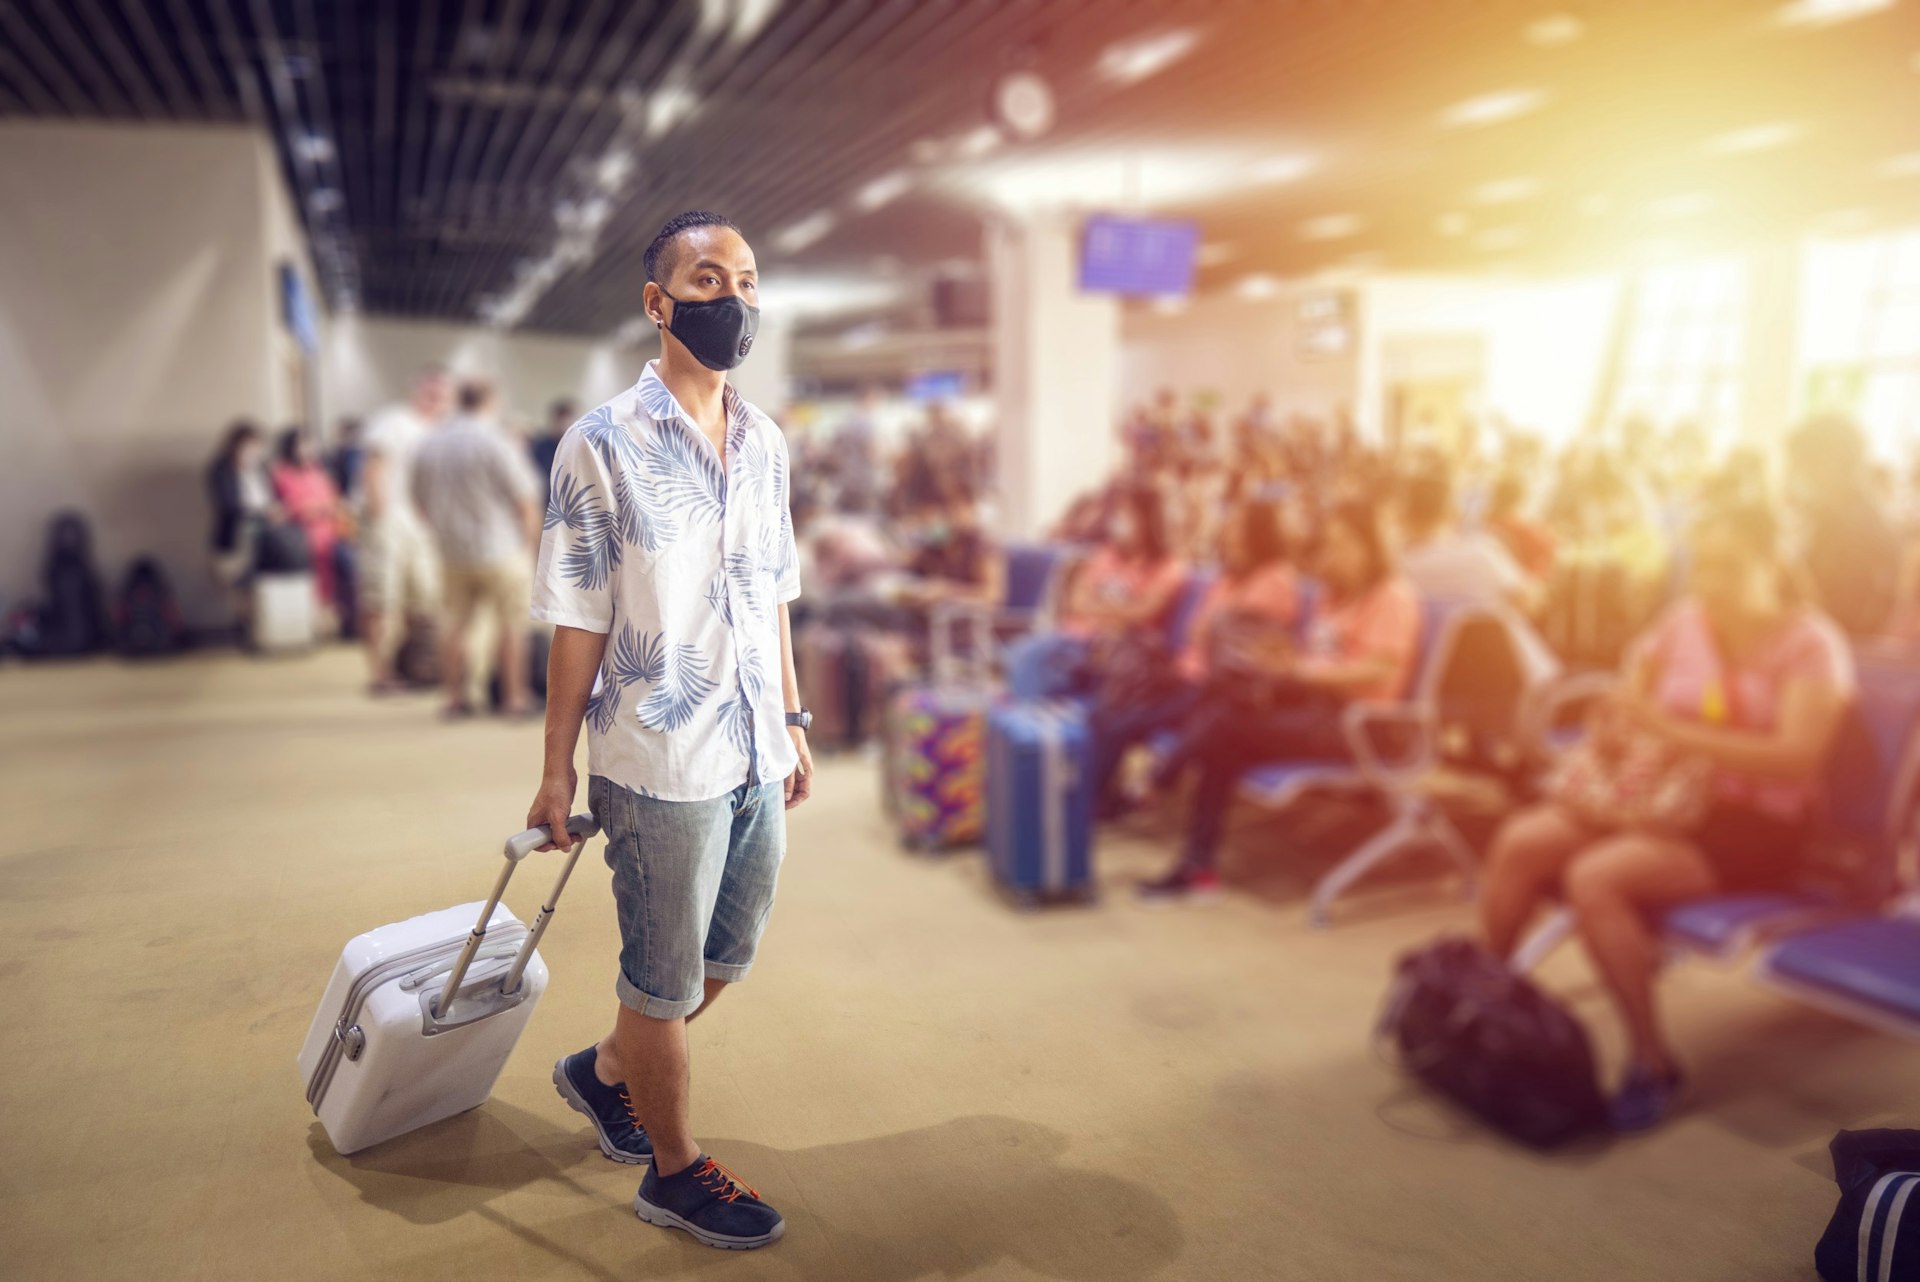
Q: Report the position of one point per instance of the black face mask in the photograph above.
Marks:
(719, 331)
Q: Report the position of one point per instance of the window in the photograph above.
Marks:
(1860, 335)
(1683, 346)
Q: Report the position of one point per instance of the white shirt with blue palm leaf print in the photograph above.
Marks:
(682, 563)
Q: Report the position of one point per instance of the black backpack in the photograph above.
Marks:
(1492, 1042)
(1875, 1231)
(147, 618)
(74, 619)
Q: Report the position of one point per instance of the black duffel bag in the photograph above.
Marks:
(282, 549)
(1492, 1042)
(1875, 1231)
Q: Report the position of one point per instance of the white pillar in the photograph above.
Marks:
(765, 377)
(1056, 372)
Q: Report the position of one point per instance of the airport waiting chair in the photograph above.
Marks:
(1858, 851)
(1867, 968)
(1277, 785)
(1046, 664)
(1035, 576)
(1425, 724)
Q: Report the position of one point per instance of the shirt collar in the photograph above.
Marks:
(660, 405)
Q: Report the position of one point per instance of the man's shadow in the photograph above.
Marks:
(942, 1200)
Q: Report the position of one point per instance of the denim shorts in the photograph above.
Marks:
(693, 885)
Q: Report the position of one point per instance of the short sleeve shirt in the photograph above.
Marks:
(683, 563)
(1270, 594)
(1693, 680)
(395, 435)
(1116, 580)
(470, 483)
(1382, 624)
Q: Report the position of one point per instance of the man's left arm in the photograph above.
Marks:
(800, 782)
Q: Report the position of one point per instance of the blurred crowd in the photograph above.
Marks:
(1237, 593)
(414, 535)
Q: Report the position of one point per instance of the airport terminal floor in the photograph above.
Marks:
(928, 1083)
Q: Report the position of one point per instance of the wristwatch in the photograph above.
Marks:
(802, 718)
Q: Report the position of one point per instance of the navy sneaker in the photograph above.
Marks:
(1645, 1101)
(622, 1138)
(711, 1203)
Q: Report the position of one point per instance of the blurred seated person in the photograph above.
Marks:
(307, 495)
(1255, 599)
(1131, 579)
(848, 552)
(1743, 672)
(1528, 541)
(1085, 520)
(1283, 703)
(1611, 569)
(953, 561)
(243, 503)
(937, 464)
(953, 557)
(1846, 536)
(1447, 563)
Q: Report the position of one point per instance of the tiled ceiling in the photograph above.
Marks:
(511, 158)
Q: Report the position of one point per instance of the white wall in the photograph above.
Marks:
(138, 317)
(371, 359)
(1544, 343)
(1540, 345)
(1235, 347)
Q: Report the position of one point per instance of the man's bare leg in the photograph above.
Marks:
(649, 1057)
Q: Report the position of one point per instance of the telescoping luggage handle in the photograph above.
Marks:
(580, 827)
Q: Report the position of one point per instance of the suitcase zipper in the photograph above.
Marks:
(349, 1040)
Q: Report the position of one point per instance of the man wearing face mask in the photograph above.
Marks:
(666, 566)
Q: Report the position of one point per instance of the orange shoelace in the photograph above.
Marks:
(726, 1186)
(628, 1101)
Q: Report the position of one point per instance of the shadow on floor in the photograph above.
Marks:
(446, 1170)
(937, 1201)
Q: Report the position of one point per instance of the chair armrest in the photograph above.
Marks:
(1551, 703)
(1359, 723)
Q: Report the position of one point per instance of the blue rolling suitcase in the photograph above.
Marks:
(1040, 800)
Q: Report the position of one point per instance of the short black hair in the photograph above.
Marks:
(475, 395)
(660, 252)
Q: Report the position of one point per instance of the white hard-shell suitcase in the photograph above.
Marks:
(420, 1016)
(285, 614)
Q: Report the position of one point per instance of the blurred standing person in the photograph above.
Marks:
(346, 458)
(306, 493)
(667, 567)
(478, 496)
(242, 501)
(397, 570)
(560, 416)
(1846, 537)
(344, 463)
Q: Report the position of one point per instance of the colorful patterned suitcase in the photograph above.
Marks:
(933, 764)
(1040, 800)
